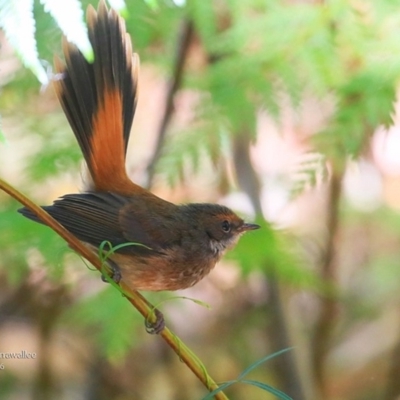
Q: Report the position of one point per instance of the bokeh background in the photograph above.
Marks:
(285, 111)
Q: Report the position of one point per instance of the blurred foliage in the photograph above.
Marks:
(112, 323)
(250, 55)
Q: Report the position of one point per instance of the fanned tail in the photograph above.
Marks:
(99, 99)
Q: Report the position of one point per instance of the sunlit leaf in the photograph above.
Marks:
(16, 18)
(69, 17)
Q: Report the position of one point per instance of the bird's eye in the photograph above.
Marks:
(226, 226)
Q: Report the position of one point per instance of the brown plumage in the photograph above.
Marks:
(176, 245)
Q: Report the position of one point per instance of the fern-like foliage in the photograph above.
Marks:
(264, 49)
(310, 171)
(18, 22)
(185, 151)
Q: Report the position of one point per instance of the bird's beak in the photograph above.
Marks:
(248, 227)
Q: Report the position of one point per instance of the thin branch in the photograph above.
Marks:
(184, 41)
(134, 297)
(393, 384)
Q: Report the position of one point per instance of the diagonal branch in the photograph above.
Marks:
(134, 297)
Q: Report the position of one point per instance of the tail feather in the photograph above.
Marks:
(99, 99)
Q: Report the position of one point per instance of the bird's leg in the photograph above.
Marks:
(115, 274)
(154, 328)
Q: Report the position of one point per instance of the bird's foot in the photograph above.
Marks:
(154, 328)
(115, 274)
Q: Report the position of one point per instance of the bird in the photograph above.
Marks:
(157, 245)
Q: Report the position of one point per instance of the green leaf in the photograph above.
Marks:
(279, 394)
(17, 232)
(312, 169)
(110, 318)
(151, 3)
(204, 17)
(260, 385)
(69, 17)
(185, 152)
(274, 254)
(263, 360)
(16, 18)
(196, 301)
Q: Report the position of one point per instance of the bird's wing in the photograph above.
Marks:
(97, 217)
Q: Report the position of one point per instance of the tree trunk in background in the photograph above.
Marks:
(277, 333)
(327, 317)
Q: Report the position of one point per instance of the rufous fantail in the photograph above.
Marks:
(179, 244)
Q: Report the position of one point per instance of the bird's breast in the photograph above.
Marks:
(173, 270)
